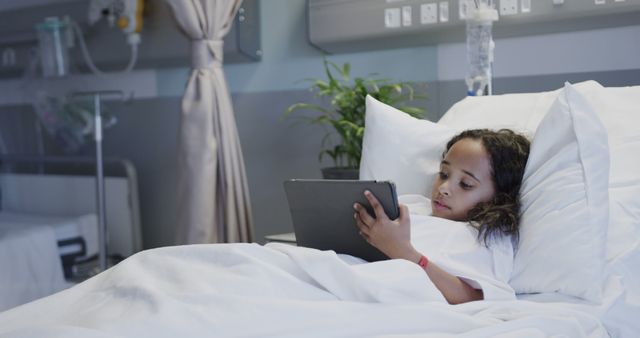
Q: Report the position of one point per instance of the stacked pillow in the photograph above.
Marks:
(565, 203)
(564, 194)
(402, 148)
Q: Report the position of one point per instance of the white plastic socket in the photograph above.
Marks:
(508, 7)
(392, 17)
(444, 11)
(406, 16)
(463, 8)
(428, 13)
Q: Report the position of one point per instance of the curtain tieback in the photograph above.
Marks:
(206, 54)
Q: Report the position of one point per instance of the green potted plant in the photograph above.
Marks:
(345, 117)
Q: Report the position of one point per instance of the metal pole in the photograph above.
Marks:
(103, 235)
(102, 222)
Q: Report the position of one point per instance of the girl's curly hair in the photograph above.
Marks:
(508, 153)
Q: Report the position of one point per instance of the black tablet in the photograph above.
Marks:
(322, 213)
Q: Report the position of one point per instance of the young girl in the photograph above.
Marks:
(479, 182)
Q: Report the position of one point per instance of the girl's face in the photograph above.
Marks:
(464, 180)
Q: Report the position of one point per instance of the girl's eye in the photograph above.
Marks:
(465, 186)
(443, 175)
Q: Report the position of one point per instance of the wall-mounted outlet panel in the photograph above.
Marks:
(163, 44)
(338, 26)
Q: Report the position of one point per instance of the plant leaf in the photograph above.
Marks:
(344, 119)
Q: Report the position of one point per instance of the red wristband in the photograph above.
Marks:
(423, 262)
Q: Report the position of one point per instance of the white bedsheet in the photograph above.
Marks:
(278, 290)
(30, 265)
(620, 309)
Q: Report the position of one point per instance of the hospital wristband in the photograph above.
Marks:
(423, 262)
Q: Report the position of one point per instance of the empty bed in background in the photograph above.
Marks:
(47, 214)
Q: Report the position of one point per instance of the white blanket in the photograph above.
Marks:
(454, 247)
(278, 290)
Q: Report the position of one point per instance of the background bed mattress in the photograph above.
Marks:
(67, 230)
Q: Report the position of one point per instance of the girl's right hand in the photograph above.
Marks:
(392, 237)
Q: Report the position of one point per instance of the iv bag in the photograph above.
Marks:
(480, 48)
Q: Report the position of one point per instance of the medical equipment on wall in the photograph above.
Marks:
(67, 120)
(56, 36)
(54, 41)
(480, 46)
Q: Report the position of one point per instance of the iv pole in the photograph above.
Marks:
(49, 36)
(103, 238)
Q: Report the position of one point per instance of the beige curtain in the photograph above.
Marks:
(213, 197)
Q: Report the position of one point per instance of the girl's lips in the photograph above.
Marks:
(439, 205)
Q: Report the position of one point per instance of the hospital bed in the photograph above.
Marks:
(279, 290)
(48, 227)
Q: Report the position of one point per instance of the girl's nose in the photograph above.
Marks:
(444, 188)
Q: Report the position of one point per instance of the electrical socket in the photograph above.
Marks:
(508, 7)
(444, 11)
(392, 17)
(406, 16)
(428, 13)
(463, 9)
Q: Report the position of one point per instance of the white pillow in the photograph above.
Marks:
(618, 108)
(408, 151)
(565, 204)
(401, 148)
(618, 111)
(519, 112)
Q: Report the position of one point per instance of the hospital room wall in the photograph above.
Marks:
(274, 150)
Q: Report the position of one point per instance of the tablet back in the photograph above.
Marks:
(322, 213)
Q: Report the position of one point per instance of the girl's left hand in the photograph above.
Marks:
(392, 237)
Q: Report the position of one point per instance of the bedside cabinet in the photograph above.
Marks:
(287, 238)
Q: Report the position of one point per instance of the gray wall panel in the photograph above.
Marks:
(274, 150)
(17, 129)
(450, 92)
(147, 135)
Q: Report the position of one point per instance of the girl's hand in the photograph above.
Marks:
(392, 237)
